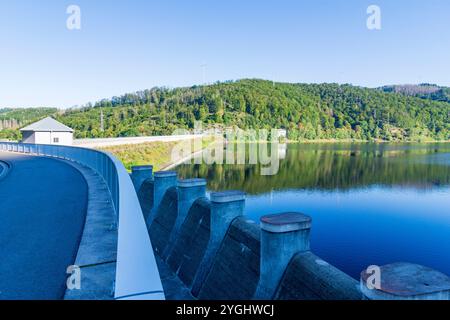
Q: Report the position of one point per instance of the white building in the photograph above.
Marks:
(47, 131)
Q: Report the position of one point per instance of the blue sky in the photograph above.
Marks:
(124, 46)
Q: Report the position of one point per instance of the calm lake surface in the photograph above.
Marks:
(370, 203)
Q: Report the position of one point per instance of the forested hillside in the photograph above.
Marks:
(308, 111)
(424, 91)
(13, 119)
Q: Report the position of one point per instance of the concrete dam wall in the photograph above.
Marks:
(206, 249)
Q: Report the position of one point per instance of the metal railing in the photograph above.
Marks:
(137, 275)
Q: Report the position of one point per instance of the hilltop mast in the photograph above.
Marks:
(102, 126)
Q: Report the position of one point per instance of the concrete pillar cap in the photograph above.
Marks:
(406, 280)
(165, 174)
(227, 196)
(186, 183)
(285, 222)
(139, 168)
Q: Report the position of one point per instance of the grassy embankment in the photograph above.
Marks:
(158, 154)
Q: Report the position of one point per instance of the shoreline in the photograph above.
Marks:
(171, 166)
(367, 141)
(334, 141)
(177, 163)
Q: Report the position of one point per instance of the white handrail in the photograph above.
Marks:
(137, 275)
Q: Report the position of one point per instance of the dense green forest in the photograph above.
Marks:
(308, 111)
(424, 91)
(13, 119)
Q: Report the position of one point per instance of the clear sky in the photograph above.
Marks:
(124, 46)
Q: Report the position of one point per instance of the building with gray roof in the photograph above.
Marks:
(47, 131)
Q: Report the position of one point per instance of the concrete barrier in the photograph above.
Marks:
(164, 180)
(225, 207)
(188, 192)
(145, 196)
(110, 142)
(282, 236)
(405, 281)
(216, 254)
(136, 272)
(139, 174)
(164, 221)
(4, 169)
(308, 277)
(235, 271)
(191, 244)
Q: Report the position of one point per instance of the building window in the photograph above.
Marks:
(55, 140)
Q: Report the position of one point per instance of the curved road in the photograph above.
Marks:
(42, 212)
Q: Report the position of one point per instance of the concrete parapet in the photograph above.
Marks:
(225, 207)
(235, 271)
(164, 220)
(4, 169)
(188, 192)
(145, 196)
(208, 250)
(97, 252)
(163, 181)
(405, 281)
(308, 277)
(139, 174)
(282, 236)
(191, 244)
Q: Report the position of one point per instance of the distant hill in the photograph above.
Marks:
(424, 91)
(21, 116)
(308, 111)
(11, 119)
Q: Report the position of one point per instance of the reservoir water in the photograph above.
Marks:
(370, 203)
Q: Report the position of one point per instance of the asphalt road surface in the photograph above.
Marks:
(42, 212)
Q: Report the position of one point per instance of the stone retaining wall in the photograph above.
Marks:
(215, 253)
